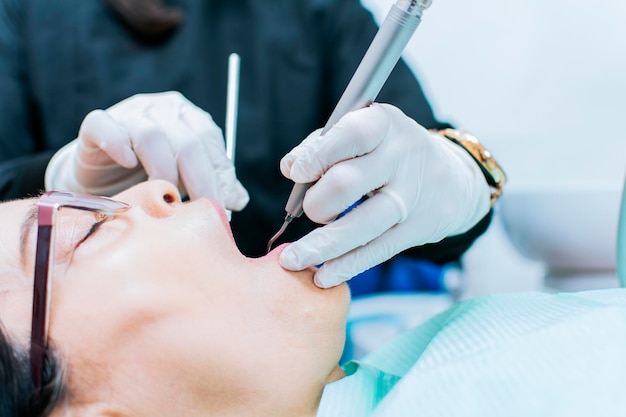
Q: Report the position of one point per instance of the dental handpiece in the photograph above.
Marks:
(367, 81)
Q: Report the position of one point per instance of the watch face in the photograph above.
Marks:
(492, 171)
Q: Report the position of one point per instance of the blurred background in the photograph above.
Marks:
(542, 85)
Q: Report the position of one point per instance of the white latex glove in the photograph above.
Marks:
(155, 136)
(425, 188)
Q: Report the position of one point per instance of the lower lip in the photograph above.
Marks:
(273, 256)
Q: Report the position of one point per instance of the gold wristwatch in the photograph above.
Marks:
(494, 174)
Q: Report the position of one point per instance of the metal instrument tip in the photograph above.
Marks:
(288, 219)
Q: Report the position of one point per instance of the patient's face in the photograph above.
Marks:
(161, 292)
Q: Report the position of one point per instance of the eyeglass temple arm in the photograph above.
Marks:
(39, 327)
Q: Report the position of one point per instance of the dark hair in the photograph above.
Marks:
(148, 20)
(16, 386)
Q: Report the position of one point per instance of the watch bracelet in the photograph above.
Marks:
(494, 174)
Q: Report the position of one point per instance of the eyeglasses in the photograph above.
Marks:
(47, 208)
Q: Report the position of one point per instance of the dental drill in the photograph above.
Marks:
(367, 81)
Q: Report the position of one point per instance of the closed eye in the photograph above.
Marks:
(94, 228)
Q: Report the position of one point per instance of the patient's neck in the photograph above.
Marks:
(303, 403)
(286, 394)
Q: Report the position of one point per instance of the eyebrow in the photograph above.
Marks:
(25, 230)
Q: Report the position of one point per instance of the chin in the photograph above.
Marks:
(298, 285)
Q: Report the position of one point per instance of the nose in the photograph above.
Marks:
(157, 198)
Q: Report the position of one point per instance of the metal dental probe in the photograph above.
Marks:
(367, 81)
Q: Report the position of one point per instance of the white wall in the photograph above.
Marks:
(542, 83)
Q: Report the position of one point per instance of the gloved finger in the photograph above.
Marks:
(237, 199)
(360, 259)
(201, 123)
(233, 195)
(198, 175)
(344, 184)
(167, 108)
(191, 151)
(361, 225)
(210, 142)
(303, 147)
(357, 133)
(189, 148)
(193, 158)
(100, 132)
(130, 107)
(152, 146)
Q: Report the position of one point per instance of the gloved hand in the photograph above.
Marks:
(425, 188)
(155, 136)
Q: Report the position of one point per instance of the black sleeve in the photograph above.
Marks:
(21, 168)
(349, 30)
(24, 176)
(15, 127)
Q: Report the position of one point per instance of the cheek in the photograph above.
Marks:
(105, 298)
(91, 311)
(16, 312)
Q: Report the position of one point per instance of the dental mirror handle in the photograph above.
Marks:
(369, 78)
(232, 107)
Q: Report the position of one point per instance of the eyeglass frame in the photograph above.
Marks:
(48, 205)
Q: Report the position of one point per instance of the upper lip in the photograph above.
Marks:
(221, 212)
